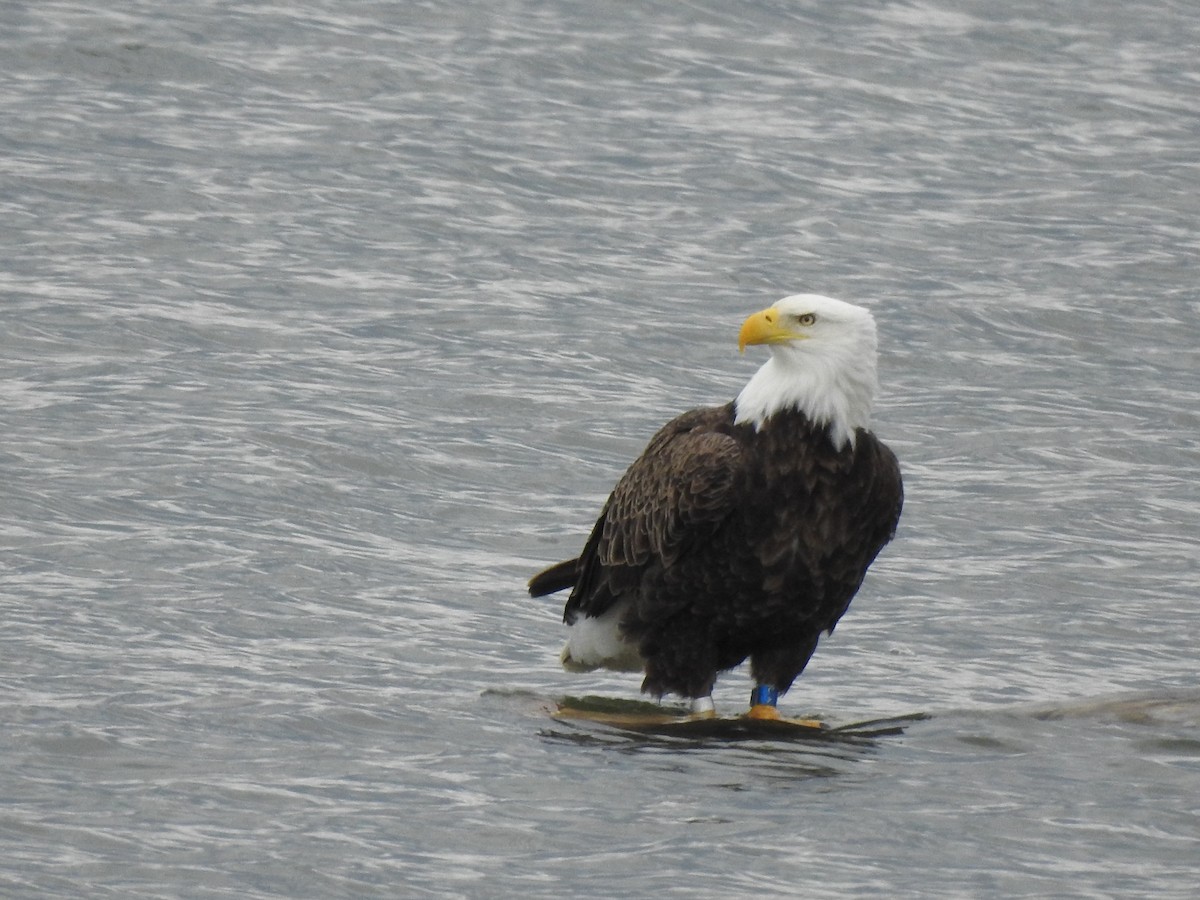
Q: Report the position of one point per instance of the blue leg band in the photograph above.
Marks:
(764, 695)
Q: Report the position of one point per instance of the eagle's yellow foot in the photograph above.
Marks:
(763, 711)
(762, 703)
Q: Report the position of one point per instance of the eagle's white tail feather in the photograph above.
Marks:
(597, 643)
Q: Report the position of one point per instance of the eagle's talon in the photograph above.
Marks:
(764, 712)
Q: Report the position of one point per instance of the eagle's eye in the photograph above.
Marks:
(806, 319)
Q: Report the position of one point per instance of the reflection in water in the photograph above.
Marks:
(763, 749)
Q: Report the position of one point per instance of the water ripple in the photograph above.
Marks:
(325, 327)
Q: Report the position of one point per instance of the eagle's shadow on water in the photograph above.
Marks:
(639, 727)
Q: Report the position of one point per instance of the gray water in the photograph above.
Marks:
(326, 324)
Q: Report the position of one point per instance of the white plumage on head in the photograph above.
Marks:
(822, 363)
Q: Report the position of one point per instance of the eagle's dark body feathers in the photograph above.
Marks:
(724, 542)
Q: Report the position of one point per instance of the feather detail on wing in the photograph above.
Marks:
(673, 496)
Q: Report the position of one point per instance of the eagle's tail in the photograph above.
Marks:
(556, 578)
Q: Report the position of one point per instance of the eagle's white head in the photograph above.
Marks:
(822, 363)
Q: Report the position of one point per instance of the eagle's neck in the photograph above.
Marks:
(833, 391)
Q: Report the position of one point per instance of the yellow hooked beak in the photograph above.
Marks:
(766, 327)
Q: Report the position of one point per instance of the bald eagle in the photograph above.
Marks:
(743, 531)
